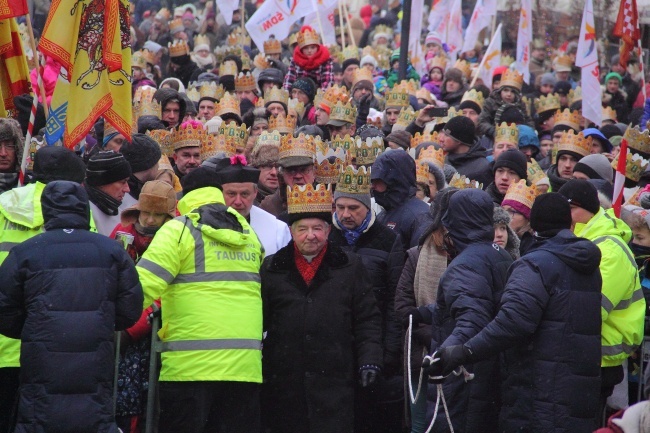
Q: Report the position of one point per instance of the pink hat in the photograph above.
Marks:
(433, 38)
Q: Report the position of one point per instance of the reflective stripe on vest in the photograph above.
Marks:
(620, 243)
(199, 246)
(7, 246)
(617, 349)
(156, 269)
(219, 344)
(636, 296)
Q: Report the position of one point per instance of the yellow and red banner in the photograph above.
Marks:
(96, 59)
(13, 8)
(14, 72)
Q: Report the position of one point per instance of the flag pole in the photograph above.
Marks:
(341, 26)
(41, 88)
(347, 19)
(320, 26)
(243, 15)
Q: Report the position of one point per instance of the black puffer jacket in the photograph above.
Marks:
(467, 300)
(549, 327)
(64, 293)
(403, 212)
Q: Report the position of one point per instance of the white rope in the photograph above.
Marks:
(408, 365)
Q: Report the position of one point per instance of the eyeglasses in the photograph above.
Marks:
(302, 169)
(268, 166)
(7, 146)
(513, 212)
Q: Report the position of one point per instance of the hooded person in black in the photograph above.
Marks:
(394, 187)
(166, 95)
(464, 152)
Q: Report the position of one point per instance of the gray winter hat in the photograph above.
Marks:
(363, 198)
(595, 166)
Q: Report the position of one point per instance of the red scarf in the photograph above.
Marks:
(313, 62)
(308, 270)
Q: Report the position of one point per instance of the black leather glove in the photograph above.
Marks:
(364, 105)
(369, 375)
(432, 369)
(452, 357)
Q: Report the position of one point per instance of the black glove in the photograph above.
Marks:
(452, 357)
(420, 315)
(363, 108)
(369, 375)
(432, 369)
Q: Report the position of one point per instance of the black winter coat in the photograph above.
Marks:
(64, 293)
(473, 164)
(467, 300)
(549, 327)
(318, 337)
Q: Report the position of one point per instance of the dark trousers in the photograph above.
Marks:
(609, 378)
(9, 381)
(205, 407)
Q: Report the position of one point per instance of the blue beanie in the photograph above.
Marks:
(527, 136)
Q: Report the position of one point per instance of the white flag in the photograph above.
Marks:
(492, 59)
(587, 60)
(438, 16)
(227, 7)
(415, 47)
(275, 17)
(326, 27)
(454, 36)
(481, 18)
(524, 38)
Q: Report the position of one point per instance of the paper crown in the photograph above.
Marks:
(568, 118)
(333, 95)
(350, 52)
(361, 74)
(277, 95)
(635, 165)
(422, 171)
(368, 50)
(344, 112)
(328, 163)
(228, 67)
(283, 124)
(160, 136)
(148, 107)
(259, 103)
(383, 29)
(176, 25)
(526, 101)
(346, 143)
(576, 143)
(297, 107)
(425, 95)
(272, 46)
(201, 40)
(439, 62)
(610, 114)
(562, 63)
(535, 172)
(423, 137)
(238, 38)
(228, 104)
(178, 48)
(192, 92)
(634, 198)
(211, 90)
(368, 150)
(269, 138)
(451, 113)
(354, 180)
(143, 93)
(406, 116)
(575, 95)
(231, 137)
(637, 140)
(245, 82)
(309, 200)
(187, 135)
(522, 193)
(506, 133)
(507, 60)
(163, 15)
(215, 144)
(512, 78)
(475, 97)
(138, 60)
(398, 96)
(464, 67)
(301, 146)
(547, 103)
(260, 62)
(245, 61)
(307, 36)
(461, 182)
(433, 155)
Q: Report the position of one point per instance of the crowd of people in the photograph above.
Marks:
(328, 247)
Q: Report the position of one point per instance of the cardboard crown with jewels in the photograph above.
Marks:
(354, 180)
(307, 199)
(576, 143)
(506, 133)
(522, 193)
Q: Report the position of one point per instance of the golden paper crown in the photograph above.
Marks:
(475, 97)
(138, 60)
(350, 52)
(638, 140)
(464, 67)
(354, 181)
(192, 93)
(361, 74)
(610, 114)
(201, 40)
(328, 163)
(259, 103)
(228, 67)
(563, 62)
(228, 104)
(451, 113)
(283, 124)
(461, 182)
(535, 172)
(512, 78)
(244, 82)
(368, 150)
(420, 138)
(320, 93)
(439, 62)
(160, 136)
(238, 38)
(308, 36)
(433, 155)
(507, 60)
(143, 93)
(547, 103)
(422, 171)
(576, 143)
(297, 107)
(272, 46)
(406, 116)
(333, 95)
(187, 135)
(522, 193)
(163, 15)
(506, 133)
(150, 107)
(382, 28)
(575, 95)
(398, 96)
(269, 138)
(425, 95)
(307, 199)
(176, 25)
(635, 165)
(215, 144)
(261, 62)
(344, 112)
(376, 122)
(568, 118)
(293, 39)
(234, 137)
(368, 50)
(277, 95)
(211, 90)
(526, 101)
(634, 198)
(178, 48)
(346, 143)
(245, 61)
(302, 145)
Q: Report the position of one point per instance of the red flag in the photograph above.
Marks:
(13, 8)
(627, 28)
(619, 181)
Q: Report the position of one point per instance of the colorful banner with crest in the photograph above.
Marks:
(14, 72)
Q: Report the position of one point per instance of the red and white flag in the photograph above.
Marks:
(454, 32)
(619, 180)
(13, 8)
(438, 16)
(492, 59)
(416, 56)
(275, 18)
(482, 16)
(627, 28)
(524, 38)
(326, 9)
(587, 60)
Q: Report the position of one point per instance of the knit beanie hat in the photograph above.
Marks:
(307, 86)
(514, 160)
(528, 137)
(348, 62)
(551, 213)
(610, 131)
(362, 198)
(581, 193)
(368, 60)
(200, 177)
(106, 167)
(58, 163)
(548, 79)
(595, 166)
(509, 113)
(433, 38)
(614, 75)
(401, 138)
(455, 75)
(562, 88)
(149, 123)
(142, 152)
(461, 128)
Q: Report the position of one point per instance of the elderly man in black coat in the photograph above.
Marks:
(64, 293)
(322, 322)
(548, 328)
